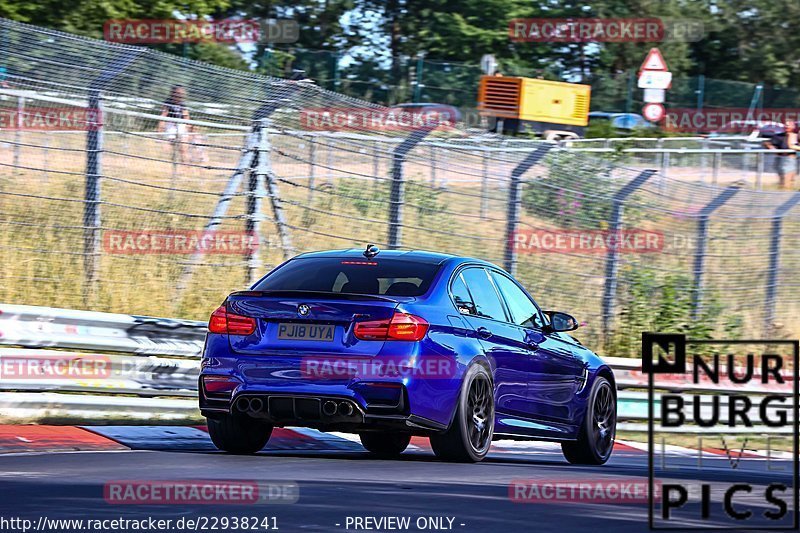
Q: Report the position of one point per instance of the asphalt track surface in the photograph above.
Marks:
(345, 481)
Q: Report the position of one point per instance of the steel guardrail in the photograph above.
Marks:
(150, 368)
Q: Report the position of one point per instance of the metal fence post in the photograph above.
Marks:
(759, 169)
(175, 152)
(746, 159)
(312, 167)
(629, 96)
(92, 196)
(255, 197)
(774, 261)
(94, 150)
(612, 258)
(18, 133)
(702, 243)
(397, 194)
(703, 160)
(514, 202)
(484, 184)
(46, 157)
(715, 167)
(433, 166)
(328, 162)
(376, 166)
(701, 89)
(264, 166)
(663, 158)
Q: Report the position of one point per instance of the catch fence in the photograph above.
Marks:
(90, 212)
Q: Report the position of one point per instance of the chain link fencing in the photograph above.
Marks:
(719, 160)
(108, 203)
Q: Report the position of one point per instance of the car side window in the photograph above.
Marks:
(462, 297)
(484, 296)
(523, 311)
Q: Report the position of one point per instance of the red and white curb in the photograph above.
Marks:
(53, 438)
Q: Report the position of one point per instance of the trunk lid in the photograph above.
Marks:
(304, 323)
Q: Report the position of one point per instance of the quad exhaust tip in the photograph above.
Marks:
(243, 404)
(256, 405)
(329, 408)
(345, 408)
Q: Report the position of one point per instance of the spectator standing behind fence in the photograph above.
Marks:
(177, 132)
(785, 164)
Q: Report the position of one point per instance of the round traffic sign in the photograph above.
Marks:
(653, 112)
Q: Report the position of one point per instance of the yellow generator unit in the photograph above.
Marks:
(541, 106)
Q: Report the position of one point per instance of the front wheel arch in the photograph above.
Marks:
(606, 372)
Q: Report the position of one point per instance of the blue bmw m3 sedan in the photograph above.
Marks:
(391, 344)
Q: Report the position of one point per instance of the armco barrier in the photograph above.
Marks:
(45, 327)
(150, 368)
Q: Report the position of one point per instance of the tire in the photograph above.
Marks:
(597, 432)
(240, 435)
(469, 437)
(385, 444)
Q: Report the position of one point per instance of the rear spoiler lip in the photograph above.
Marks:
(322, 294)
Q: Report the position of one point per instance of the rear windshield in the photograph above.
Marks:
(352, 276)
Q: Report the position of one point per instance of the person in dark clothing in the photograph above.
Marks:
(785, 163)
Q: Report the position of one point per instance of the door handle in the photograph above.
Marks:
(484, 333)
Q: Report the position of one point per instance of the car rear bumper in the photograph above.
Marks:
(407, 391)
(320, 411)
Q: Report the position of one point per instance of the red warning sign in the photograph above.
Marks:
(654, 61)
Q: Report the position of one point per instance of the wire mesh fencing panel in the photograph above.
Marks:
(134, 181)
(719, 160)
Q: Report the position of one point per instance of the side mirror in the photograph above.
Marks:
(561, 321)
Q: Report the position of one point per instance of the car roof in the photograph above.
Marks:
(421, 256)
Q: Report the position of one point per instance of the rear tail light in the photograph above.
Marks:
(223, 321)
(401, 327)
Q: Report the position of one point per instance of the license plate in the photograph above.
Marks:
(306, 332)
